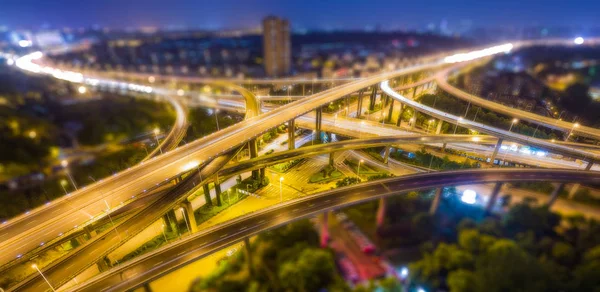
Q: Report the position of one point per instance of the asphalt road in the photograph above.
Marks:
(177, 254)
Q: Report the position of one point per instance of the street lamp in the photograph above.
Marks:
(280, 189)
(576, 125)
(37, 269)
(156, 131)
(185, 219)
(82, 89)
(514, 121)
(456, 126)
(65, 165)
(63, 184)
(111, 221)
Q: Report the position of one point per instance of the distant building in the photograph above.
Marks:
(276, 46)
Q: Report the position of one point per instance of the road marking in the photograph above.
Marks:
(223, 235)
(261, 221)
(243, 228)
(157, 264)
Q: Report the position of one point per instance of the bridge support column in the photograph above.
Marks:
(414, 94)
(253, 148)
(324, 229)
(206, 190)
(444, 147)
(103, 264)
(381, 212)
(436, 201)
(413, 119)
(359, 103)
(318, 120)
(438, 130)
(573, 191)
(171, 221)
(248, 254)
(493, 197)
(331, 160)
(218, 192)
(373, 98)
(555, 193)
(89, 231)
(189, 215)
(391, 110)
(589, 165)
(261, 173)
(291, 135)
(146, 287)
(496, 149)
(386, 154)
(399, 121)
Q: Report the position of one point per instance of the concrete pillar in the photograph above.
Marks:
(324, 229)
(555, 194)
(436, 201)
(248, 253)
(189, 215)
(391, 110)
(496, 149)
(414, 92)
(331, 160)
(493, 197)
(253, 148)
(372, 98)
(146, 287)
(218, 193)
(207, 194)
(89, 231)
(360, 103)
(318, 120)
(589, 165)
(414, 117)
(438, 130)
(386, 154)
(381, 211)
(261, 174)
(171, 221)
(103, 264)
(444, 147)
(573, 191)
(399, 121)
(291, 135)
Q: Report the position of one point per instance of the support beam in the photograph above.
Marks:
(218, 193)
(391, 110)
(372, 98)
(589, 165)
(436, 201)
(386, 154)
(414, 92)
(399, 121)
(331, 160)
(324, 229)
(253, 148)
(171, 221)
(189, 215)
(555, 194)
(496, 149)
(359, 103)
(318, 121)
(291, 135)
(248, 253)
(573, 191)
(438, 130)
(381, 211)
(207, 195)
(493, 197)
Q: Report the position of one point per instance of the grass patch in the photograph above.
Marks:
(285, 166)
(327, 173)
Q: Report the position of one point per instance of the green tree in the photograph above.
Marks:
(462, 281)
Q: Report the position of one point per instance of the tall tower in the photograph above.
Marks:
(276, 46)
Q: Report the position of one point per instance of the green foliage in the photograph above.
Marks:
(426, 159)
(347, 181)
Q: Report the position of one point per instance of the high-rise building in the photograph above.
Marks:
(276, 46)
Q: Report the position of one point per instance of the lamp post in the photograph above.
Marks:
(37, 269)
(63, 183)
(280, 189)
(65, 164)
(111, 221)
(156, 131)
(185, 219)
(571, 131)
(514, 121)
(457, 121)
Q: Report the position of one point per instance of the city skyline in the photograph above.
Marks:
(231, 14)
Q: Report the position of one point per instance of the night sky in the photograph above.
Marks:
(308, 14)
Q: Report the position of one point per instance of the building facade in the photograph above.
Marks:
(276, 46)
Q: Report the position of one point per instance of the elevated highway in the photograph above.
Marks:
(171, 257)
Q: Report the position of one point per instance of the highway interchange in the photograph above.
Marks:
(208, 151)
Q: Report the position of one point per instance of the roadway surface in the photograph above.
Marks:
(170, 257)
